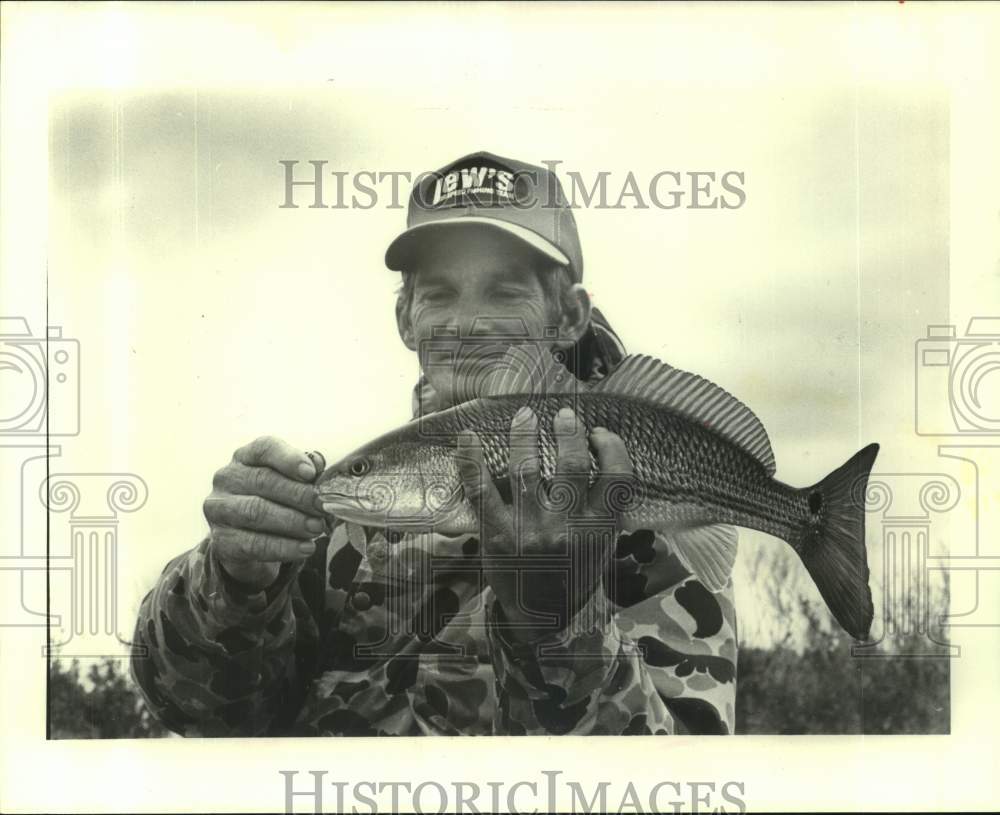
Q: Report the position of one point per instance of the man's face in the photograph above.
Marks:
(485, 285)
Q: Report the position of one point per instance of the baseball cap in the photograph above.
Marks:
(483, 190)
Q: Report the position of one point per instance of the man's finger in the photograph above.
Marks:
(616, 489)
(240, 546)
(480, 491)
(260, 515)
(269, 451)
(573, 462)
(239, 479)
(525, 462)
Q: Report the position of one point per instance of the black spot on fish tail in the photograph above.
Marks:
(815, 502)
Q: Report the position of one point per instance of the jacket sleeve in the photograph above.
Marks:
(588, 680)
(214, 659)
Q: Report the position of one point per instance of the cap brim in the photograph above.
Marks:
(407, 243)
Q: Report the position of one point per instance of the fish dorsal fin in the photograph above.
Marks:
(531, 369)
(694, 397)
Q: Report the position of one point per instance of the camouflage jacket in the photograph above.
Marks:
(379, 635)
(339, 646)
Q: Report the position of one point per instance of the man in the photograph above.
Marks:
(268, 627)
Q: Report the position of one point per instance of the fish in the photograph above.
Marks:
(702, 463)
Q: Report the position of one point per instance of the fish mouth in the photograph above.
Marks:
(376, 500)
(334, 494)
(367, 510)
(346, 508)
(350, 511)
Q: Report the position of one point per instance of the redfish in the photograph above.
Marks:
(702, 464)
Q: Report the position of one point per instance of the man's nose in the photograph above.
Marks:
(479, 321)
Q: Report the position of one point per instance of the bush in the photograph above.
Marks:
(827, 690)
(110, 708)
(822, 690)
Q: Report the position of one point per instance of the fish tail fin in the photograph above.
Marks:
(831, 542)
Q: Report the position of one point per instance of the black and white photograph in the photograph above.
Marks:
(542, 370)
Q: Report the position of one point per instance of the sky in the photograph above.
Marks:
(208, 315)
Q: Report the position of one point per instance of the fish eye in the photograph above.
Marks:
(360, 466)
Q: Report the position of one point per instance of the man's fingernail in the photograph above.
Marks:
(315, 525)
(307, 547)
(599, 429)
(306, 471)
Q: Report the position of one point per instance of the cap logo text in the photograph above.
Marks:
(474, 181)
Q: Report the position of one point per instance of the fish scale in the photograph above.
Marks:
(698, 474)
(679, 465)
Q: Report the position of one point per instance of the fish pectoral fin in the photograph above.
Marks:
(356, 536)
(708, 551)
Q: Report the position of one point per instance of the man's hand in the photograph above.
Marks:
(261, 511)
(542, 529)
